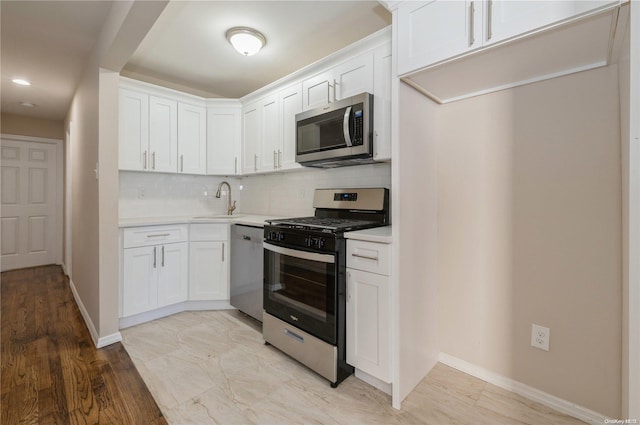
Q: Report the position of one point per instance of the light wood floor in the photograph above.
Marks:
(51, 370)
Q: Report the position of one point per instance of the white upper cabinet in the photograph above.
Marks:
(382, 103)
(270, 133)
(318, 90)
(163, 134)
(134, 130)
(224, 131)
(429, 32)
(290, 105)
(251, 130)
(352, 77)
(192, 139)
(507, 19)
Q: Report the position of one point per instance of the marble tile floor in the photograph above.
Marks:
(212, 367)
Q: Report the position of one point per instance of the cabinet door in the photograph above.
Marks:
(507, 18)
(290, 105)
(140, 272)
(368, 340)
(251, 132)
(224, 131)
(134, 130)
(353, 77)
(208, 277)
(163, 134)
(382, 103)
(431, 31)
(192, 139)
(318, 91)
(173, 276)
(270, 110)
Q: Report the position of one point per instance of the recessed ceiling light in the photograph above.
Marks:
(246, 41)
(28, 104)
(21, 81)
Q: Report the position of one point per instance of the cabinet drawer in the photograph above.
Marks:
(208, 232)
(369, 256)
(153, 235)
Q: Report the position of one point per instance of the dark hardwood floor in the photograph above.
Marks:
(51, 371)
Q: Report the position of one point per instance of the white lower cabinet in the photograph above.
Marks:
(208, 271)
(368, 316)
(208, 262)
(154, 276)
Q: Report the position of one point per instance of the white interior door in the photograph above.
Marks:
(29, 204)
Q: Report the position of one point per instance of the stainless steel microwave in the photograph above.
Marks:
(338, 134)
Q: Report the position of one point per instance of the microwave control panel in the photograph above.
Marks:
(358, 127)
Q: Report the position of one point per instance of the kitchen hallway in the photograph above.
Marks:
(208, 367)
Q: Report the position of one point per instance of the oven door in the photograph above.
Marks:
(301, 288)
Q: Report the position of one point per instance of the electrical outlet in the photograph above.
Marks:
(540, 337)
(141, 193)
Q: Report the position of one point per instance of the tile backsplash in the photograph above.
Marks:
(278, 194)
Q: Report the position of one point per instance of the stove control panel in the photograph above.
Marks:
(275, 236)
(314, 242)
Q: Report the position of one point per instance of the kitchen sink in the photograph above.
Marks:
(216, 217)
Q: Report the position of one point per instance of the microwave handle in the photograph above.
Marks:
(345, 126)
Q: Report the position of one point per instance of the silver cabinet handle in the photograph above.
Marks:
(279, 159)
(366, 257)
(153, 161)
(489, 19)
(275, 160)
(222, 251)
(472, 11)
(154, 257)
(255, 162)
(158, 235)
(144, 160)
(162, 255)
(181, 163)
(345, 126)
(235, 165)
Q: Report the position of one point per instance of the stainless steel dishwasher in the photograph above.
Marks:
(247, 259)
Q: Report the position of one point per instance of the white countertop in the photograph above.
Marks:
(377, 234)
(247, 219)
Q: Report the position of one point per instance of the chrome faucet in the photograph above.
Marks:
(230, 208)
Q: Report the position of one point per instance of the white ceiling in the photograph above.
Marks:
(186, 49)
(50, 42)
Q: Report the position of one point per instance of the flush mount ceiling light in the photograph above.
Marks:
(28, 104)
(246, 41)
(21, 81)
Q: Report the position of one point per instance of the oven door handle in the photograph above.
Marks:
(312, 256)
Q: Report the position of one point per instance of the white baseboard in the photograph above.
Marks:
(147, 316)
(97, 340)
(526, 391)
(85, 314)
(373, 381)
(109, 339)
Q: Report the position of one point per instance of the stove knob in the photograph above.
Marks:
(320, 243)
(271, 236)
(309, 241)
(280, 236)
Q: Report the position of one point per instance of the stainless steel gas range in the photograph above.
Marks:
(305, 277)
